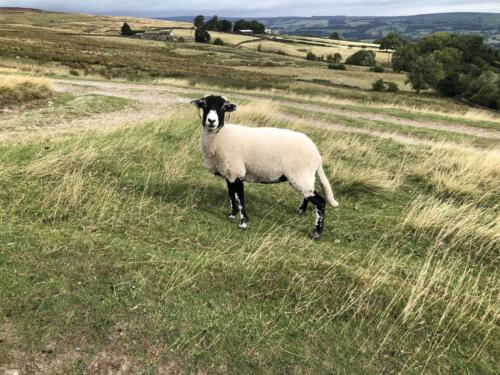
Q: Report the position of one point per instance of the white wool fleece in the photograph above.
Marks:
(265, 155)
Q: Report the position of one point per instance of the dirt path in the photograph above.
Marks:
(455, 128)
(155, 100)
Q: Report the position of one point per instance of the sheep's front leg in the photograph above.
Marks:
(240, 202)
(231, 189)
(319, 204)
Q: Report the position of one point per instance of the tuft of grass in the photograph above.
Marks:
(464, 226)
(459, 172)
(15, 90)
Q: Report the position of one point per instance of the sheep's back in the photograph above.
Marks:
(270, 152)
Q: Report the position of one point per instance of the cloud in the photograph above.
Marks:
(150, 8)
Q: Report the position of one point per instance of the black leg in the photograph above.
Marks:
(319, 203)
(240, 202)
(231, 189)
(303, 206)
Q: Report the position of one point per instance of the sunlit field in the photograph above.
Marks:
(116, 255)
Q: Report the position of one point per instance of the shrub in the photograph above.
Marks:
(392, 87)
(362, 58)
(259, 47)
(311, 56)
(334, 58)
(18, 90)
(74, 72)
(378, 85)
(336, 66)
(218, 42)
(377, 69)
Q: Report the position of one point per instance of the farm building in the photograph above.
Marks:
(164, 35)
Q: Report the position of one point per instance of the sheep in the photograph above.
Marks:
(263, 155)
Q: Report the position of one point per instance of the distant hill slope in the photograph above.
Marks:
(370, 28)
(79, 23)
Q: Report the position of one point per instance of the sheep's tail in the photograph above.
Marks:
(327, 189)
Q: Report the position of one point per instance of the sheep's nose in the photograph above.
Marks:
(211, 121)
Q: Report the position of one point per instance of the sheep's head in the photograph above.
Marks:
(214, 110)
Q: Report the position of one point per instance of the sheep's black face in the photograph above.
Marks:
(214, 108)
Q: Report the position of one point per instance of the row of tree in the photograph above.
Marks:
(216, 24)
(456, 65)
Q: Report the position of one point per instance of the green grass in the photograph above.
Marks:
(116, 254)
(116, 243)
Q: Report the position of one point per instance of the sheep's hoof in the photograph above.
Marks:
(315, 235)
(300, 211)
(231, 216)
(243, 225)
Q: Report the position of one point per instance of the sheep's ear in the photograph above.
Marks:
(199, 103)
(229, 107)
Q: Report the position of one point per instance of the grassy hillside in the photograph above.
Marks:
(116, 255)
(78, 23)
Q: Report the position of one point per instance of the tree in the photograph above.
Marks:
(335, 35)
(452, 85)
(485, 90)
(426, 72)
(226, 26)
(126, 30)
(199, 21)
(390, 41)
(404, 57)
(362, 57)
(213, 24)
(201, 35)
(255, 26)
(449, 58)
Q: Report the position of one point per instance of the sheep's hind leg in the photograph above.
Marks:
(240, 201)
(319, 203)
(231, 189)
(303, 206)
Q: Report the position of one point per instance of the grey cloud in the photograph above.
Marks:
(150, 8)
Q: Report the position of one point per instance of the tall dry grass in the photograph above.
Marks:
(16, 90)
(455, 225)
(461, 172)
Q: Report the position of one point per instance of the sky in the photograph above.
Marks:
(259, 8)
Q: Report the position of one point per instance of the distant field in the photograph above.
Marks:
(116, 256)
(300, 50)
(79, 23)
